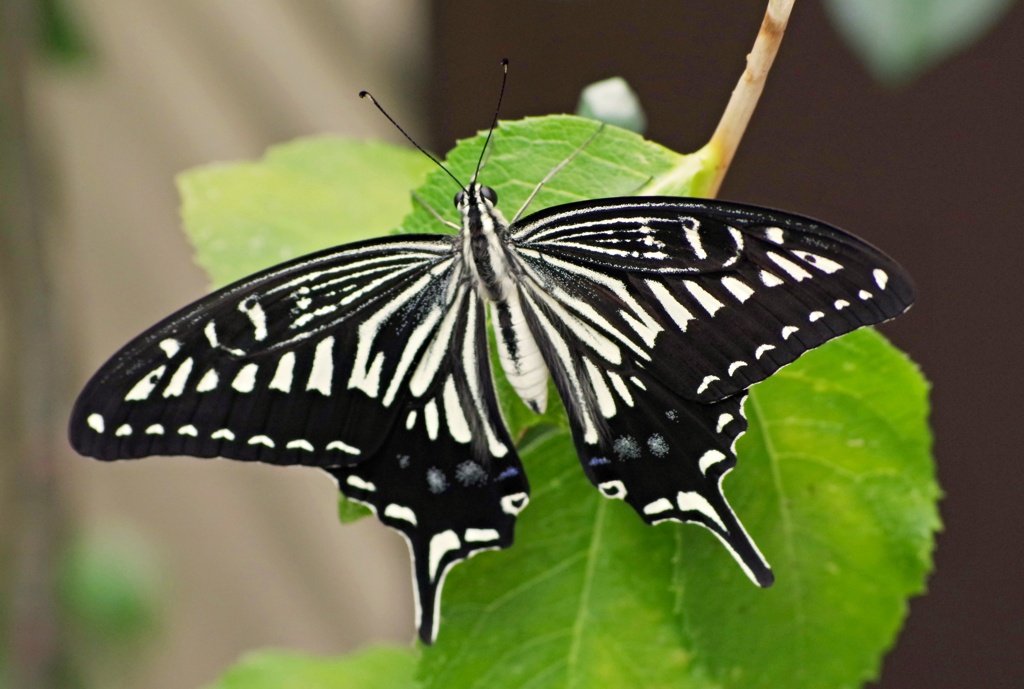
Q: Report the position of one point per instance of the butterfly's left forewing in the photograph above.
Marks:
(369, 361)
(738, 291)
(655, 315)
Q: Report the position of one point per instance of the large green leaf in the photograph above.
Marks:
(585, 598)
(380, 667)
(835, 483)
(302, 196)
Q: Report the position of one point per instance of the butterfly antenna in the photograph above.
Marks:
(367, 94)
(494, 122)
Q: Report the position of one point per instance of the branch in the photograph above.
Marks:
(726, 139)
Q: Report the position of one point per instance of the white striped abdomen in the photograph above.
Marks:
(518, 352)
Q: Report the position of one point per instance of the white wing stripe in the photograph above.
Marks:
(245, 380)
(471, 371)
(362, 377)
(436, 350)
(282, 379)
(144, 387)
(692, 231)
(412, 347)
(323, 368)
(795, 271)
(457, 424)
(605, 401)
(679, 314)
(561, 349)
(179, 379)
(430, 419)
(620, 387)
(737, 288)
(703, 297)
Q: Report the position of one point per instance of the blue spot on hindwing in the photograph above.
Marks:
(626, 447)
(437, 482)
(470, 474)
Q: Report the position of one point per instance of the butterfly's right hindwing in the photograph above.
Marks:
(449, 477)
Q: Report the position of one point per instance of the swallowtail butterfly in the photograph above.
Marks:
(653, 316)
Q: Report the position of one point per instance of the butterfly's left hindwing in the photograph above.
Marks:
(369, 361)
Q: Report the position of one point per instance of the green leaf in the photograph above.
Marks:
(899, 39)
(836, 484)
(351, 511)
(583, 599)
(380, 667)
(522, 153)
(302, 196)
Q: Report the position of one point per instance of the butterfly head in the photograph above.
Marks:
(474, 194)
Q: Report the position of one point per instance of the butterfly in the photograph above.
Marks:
(652, 316)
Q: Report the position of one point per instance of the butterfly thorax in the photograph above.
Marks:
(495, 275)
(483, 245)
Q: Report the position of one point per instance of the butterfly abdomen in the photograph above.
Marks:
(520, 356)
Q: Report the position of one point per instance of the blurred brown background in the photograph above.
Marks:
(252, 556)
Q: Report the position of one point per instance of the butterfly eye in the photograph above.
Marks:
(459, 198)
(490, 195)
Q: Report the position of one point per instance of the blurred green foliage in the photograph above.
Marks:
(377, 667)
(897, 40)
(62, 34)
(111, 593)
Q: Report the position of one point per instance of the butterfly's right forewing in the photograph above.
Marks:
(280, 367)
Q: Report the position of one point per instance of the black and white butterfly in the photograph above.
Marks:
(653, 315)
